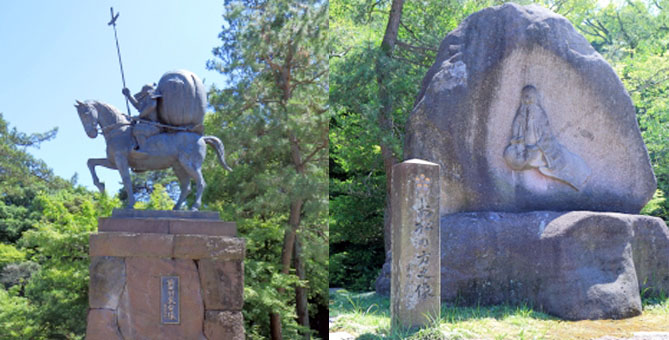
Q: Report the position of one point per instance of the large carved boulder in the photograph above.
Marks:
(523, 114)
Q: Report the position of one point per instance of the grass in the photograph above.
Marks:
(367, 316)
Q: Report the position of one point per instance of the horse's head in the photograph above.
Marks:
(89, 118)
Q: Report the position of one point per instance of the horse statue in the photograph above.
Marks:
(182, 150)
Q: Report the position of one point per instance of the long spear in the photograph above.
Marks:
(118, 50)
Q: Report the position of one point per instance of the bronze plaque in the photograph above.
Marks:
(169, 300)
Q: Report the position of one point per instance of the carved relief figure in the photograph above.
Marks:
(533, 145)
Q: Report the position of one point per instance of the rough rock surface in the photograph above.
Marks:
(102, 324)
(651, 254)
(581, 125)
(107, 280)
(222, 284)
(224, 325)
(575, 265)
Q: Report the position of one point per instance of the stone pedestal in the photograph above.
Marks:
(574, 265)
(416, 281)
(165, 275)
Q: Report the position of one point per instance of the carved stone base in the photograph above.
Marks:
(575, 265)
(172, 278)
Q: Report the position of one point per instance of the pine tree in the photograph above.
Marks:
(273, 118)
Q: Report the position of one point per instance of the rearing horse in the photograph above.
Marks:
(182, 151)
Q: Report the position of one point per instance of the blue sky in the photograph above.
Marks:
(54, 52)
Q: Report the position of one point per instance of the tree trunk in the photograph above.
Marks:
(385, 117)
(275, 326)
(390, 36)
(286, 255)
(302, 306)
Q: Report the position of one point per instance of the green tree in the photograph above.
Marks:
(145, 183)
(44, 227)
(51, 302)
(159, 199)
(16, 317)
(22, 178)
(273, 118)
(60, 245)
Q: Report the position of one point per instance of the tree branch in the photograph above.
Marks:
(599, 30)
(339, 55)
(309, 81)
(323, 145)
(416, 49)
(622, 28)
(657, 5)
(410, 61)
(650, 82)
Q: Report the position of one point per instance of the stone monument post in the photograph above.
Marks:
(165, 275)
(416, 281)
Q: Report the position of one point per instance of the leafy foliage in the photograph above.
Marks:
(159, 199)
(16, 317)
(9, 254)
(18, 273)
(22, 178)
(262, 278)
(657, 205)
(51, 286)
(145, 183)
(44, 227)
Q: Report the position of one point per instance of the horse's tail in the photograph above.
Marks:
(220, 150)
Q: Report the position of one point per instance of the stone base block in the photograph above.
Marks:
(139, 312)
(574, 265)
(102, 324)
(651, 254)
(224, 325)
(132, 294)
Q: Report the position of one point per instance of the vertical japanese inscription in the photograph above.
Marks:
(416, 281)
(169, 300)
(418, 273)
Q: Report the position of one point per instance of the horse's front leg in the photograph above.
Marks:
(121, 161)
(92, 163)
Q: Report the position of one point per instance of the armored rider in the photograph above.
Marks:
(146, 102)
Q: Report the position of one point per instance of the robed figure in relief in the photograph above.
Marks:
(534, 146)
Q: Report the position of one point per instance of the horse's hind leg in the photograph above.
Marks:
(195, 172)
(199, 185)
(184, 184)
(92, 163)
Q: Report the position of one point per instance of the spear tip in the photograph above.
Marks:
(113, 17)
